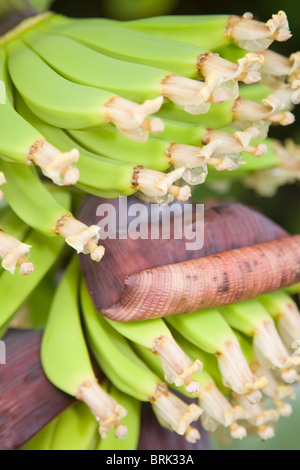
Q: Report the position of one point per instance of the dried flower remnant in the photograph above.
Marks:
(256, 36)
(159, 187)
(130, 118)
(14, 253)
(55, 165)
(106, 410)
(79, 236)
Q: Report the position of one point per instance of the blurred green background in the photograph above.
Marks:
(285, 206)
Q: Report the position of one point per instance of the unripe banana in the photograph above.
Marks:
(285, 312)
(76, 429)
(127, 372)
(66, 360)
(29, 198)
(178, 57)
(20, 142)
(42, 440)
(274, 389)
(252, 319)
(217, 410)
(83, 65)
(65, 104)
(156, 336)
(106, 177)
(208, 330)
(216, 31)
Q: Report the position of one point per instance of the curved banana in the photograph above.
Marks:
(65, 104)
(82, 64)
(127, 372)
(156, 336)
(216, 31)
(76, 429)
(252, 319)
(217, 410)
(20, 142)
(209, 331)
(285, 312)
(66, 360)
(180, 58)
(29, 198)
(107, 177)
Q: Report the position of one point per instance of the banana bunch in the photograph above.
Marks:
(234, 362)
(109, 108)
(83, 96)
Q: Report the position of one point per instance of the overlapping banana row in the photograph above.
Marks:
(237, 363)
(113, 108)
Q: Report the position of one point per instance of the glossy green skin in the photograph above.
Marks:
(132, 421)
(96, 171)
(54, 99)
(12, 225)
(117, 147)
(206, 31)
(219, 115)
(42, 440)
(142, 332)
(246, 316)
(17, 136)
(76, 429)
(29, 198)
(117, 359)
(64, 352)
(206, 329)
(84, 65)
(276, 301)
(132, 46)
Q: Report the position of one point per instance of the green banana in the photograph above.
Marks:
(76, 429)
(285, 312)
(65, 104)
(252, 319)
(156, 336)
(29, 198)
(209, 331)
(81, 64)
(274, 389)
(242, 112)
(66, 360)
(217, 410)
(177, 57)
(12, 224)
(130, 375)
(216, 31)
(43, 256)
(42, 440)
(132, 421)
(21, 143)
(220, 149)
(108, 177)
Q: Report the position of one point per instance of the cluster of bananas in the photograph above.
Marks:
(97, 104)
(237, 362)
(80, 100)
